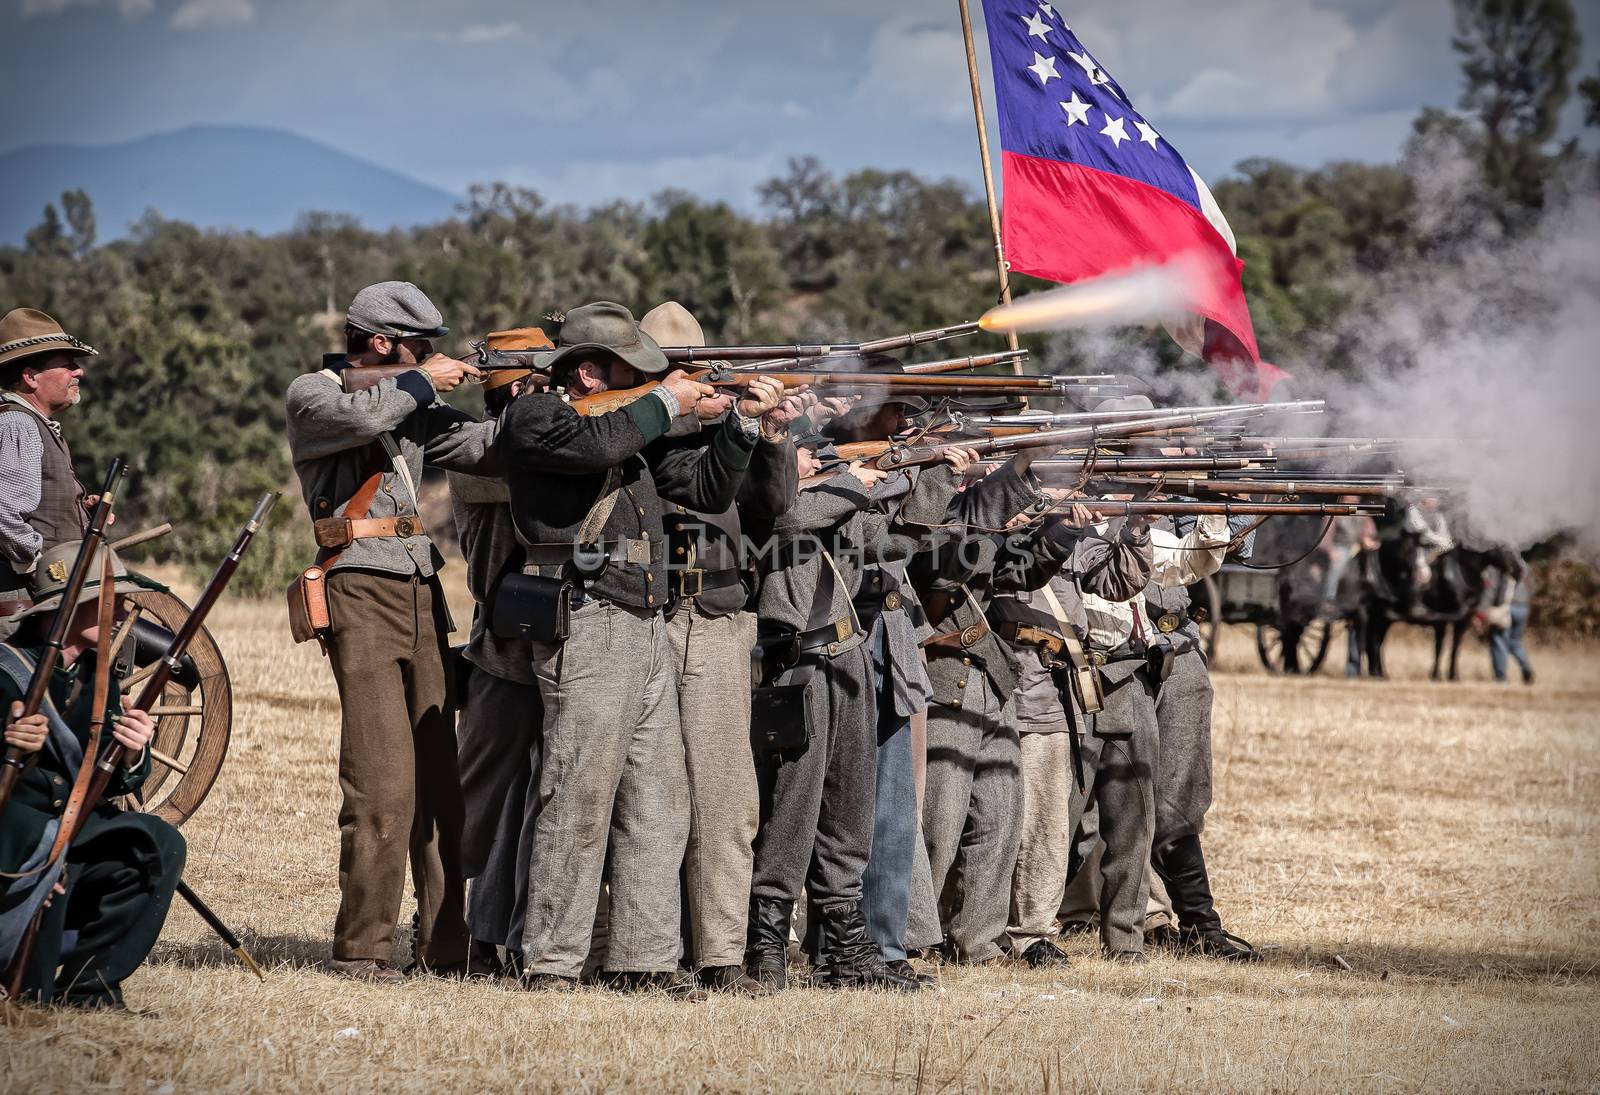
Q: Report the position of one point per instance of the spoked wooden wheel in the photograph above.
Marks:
(192, 723)
(1310, 651)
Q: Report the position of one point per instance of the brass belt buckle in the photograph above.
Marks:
(639, 552)
(699, 582)
(843, 628)
(405, 526)
(1167, 624)
(891, 601)
(971, 635)
(1097, 657)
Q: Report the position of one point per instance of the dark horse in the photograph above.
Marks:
(1392, 594)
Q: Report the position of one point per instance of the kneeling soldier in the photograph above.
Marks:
(123, 867)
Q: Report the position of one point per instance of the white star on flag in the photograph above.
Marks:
(1044, 68)
(1077, 110)
(1037, 27)
(1047, 9)
(1115, 131)
(1095, 73)
(1146, 134)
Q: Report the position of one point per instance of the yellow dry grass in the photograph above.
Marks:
(1422, 856)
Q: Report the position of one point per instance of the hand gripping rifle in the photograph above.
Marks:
(15, 761)
(149, 694)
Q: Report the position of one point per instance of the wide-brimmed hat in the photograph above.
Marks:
(25, 332)
(611, 329)
(397, 309)
(49, 579)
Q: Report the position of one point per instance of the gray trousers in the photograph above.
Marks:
(971, 825)
(1046, 846)
(1183, 778)
(613, 777)
(817, 803)
(712, 659)
(1119, 759)
(497, 743)
(1081, 902)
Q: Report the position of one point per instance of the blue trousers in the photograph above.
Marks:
(1507, 643)
(886, 885)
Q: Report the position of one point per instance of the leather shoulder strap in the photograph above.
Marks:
(361, 500)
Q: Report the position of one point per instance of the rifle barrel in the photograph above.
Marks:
(1201, 485)
(681, 354)
(1223, 509)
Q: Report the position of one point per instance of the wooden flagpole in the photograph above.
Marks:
(988, 172)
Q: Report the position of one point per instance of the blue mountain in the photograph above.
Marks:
(241, 177)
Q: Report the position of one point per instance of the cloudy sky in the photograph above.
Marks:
(588, 100)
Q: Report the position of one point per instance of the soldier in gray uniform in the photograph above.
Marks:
(387, 647)
(588, 496)
(712, 635)
(498, 730)
(971, 807)
(42, 504)
(817, 794)
(1048, 712)
(1183, 776)
(1120, 750)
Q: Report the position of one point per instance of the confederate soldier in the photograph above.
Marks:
(817, 793)
(124, 866)
(1120, 747)
(1046, 648)
(712, 634)
(588, 495)
(1183, 776)
(972, 806)
(498, 729)
(358, 456)
(42, 504)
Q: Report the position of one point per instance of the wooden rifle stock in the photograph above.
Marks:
(1222, 509)
(14, 761)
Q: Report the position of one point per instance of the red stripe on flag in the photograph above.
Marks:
(1065, 222)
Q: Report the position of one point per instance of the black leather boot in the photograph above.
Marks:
(1182, 868)
(766, 948)
(847, 956)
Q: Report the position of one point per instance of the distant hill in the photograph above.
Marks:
(214, 176)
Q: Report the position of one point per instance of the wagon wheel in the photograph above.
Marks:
(1312, 648)
(192, 726)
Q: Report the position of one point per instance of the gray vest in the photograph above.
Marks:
(60, 517)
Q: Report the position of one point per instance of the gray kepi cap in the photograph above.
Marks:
(608, 328)
(397, 309)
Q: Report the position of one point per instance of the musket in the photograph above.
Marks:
(898, 455)
(149, 695)
(1168, 484)
(885, 383)
(684, 354)
(1042, 419)
(979, 361)
(15, 761)
(1073, 466)
(1222, 509)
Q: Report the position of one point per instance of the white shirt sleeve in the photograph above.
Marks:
(1178, 562)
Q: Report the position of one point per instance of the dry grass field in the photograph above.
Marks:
(1421, 858)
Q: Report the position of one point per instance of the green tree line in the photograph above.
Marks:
(201, 331)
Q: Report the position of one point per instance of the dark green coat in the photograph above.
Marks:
(31, 817)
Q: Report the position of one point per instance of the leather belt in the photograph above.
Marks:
(339, 532)
(828, 635)
(636, 552)
(785, 648)
(690, 582)
(1044, 639)
(1100, 655)
(965, 639)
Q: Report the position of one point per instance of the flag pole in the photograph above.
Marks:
(988, 172)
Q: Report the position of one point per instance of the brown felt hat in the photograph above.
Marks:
(49, 579)
(607, 328)
(25, 332)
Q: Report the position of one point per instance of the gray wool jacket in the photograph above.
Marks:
(482, 512)
(335, 442)
(957, 577)
(835, 520)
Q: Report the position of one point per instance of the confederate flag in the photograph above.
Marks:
(1091, 188)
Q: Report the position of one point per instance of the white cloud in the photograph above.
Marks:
(130, 9)
(482, 34)
(199, 14)
(918, 66)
